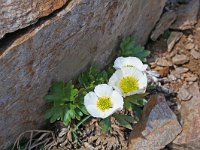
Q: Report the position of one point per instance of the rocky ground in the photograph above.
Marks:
(176, 57)
(171, 119)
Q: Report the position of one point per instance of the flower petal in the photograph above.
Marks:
(90, 99)
(121, 62)
(103, 90)
(117, 100)
(109, 112)
(129, 71)
(93, 111)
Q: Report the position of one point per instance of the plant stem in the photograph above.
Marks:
(82, 121)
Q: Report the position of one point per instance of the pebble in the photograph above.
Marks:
(180, 70)
(180, 59)
(195, 54)
(189, 46)
(173, 39)
(172, 77)
(183, 94)
(163, 62)
(191, 79)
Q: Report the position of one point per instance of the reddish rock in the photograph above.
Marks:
(157, 127)
(18, 14)
(189, 139)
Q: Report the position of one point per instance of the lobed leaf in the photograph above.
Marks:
(105, 125)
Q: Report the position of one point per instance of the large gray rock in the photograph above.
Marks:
(189, 139)
(157, 127)
(60, 48)
(17, 14)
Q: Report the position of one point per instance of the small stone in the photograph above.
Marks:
(186, 16)
(180, 59)
(172, 77)
(196, 47)
(163, 62)
(189, 46)
(173, 39)
(183, 94)
(153, 65)
(180, 70)
(157, 128)
(195, 54)
(164, 71)
(191, 79)
(190, 38)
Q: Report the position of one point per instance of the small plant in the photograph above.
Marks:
(103, 94)
(66, 101)
(128, 47)
(166, 34)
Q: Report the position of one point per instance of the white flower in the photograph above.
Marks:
(103, 102)
(128, 81)
(121, 62)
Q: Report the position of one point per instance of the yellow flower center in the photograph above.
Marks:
(128, 84)
(104, 103)
(129, 66)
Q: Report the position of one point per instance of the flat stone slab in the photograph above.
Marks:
(164, 23)
(18, 14)
(157, 127)
(186, 15)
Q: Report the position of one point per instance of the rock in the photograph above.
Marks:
(189, 46)
(164, 71)
(164, 23)
(180, 59)
(163, 62)
(186, 15)
(18, 14)
(172, 77)
(173, 39)
(180, 70)
(183, 94)
(195, 54)
(189, 138)
(191, 79)
(59, 48)
(157, 127)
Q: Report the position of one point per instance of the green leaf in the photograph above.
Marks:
(92, 77)
(56, 93)
(83, 109)
(124, 120)
(105, 125)
(110, 70)
(55, 113)
(70, 92)
(137, 99)
(80, 98)
(137, 111)
(128, 105)
(128, 47)
(166, 34)
(67, 117)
